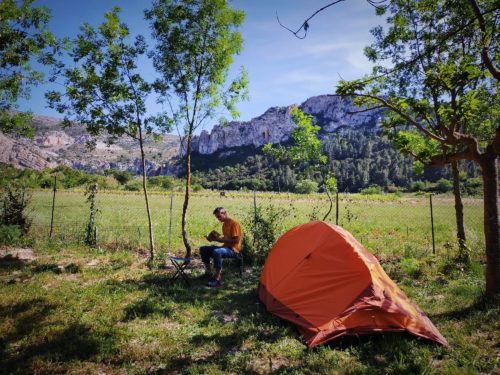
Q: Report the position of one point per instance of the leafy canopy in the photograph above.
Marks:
(105, 91)
(24, 36)
(196, 42)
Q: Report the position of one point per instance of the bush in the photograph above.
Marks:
(197, 187)
(13, 210)
(306, 187)
(263, 227)
(411, 267)
(473, 186)
(418, 186)
(134, 186)
(10, 235)
(372, 190)
(444, 186)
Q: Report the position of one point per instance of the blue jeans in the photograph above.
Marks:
(216, 252)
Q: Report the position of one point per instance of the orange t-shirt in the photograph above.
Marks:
(230, 229)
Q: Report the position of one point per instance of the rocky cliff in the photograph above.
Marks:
(331, 112)
(54, 145)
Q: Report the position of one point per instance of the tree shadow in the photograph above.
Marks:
(481, 304)
(23, 344)
(11, 262)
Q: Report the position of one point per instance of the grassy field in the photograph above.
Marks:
(384, 224)
(90, 311)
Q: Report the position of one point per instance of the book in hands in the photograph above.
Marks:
(213, 236)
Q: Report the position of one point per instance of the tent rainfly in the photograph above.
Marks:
(320, 278)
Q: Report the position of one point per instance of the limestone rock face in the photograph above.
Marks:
(54, 145)
(22, 154)
(273, 126)
(329, 111)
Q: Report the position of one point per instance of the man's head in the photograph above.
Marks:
(221, 214)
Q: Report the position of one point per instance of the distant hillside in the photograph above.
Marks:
(229, 156)
(54, 145)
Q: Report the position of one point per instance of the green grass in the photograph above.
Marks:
(104, 311)
(81, 310)
(384, 223)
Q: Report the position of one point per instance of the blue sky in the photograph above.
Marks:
(282, 69)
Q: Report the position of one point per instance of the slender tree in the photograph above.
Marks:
(306, 147)
(195, 44)
(443, 101)
(24, 36)
(106, 93)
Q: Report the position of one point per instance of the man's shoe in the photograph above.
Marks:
(214, 283)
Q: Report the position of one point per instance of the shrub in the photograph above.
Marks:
(411, 267)
(263, 226)
(13, 210)
(372, 190)
(122, 177)
(10, 235)
(306, 187)
(444, 186)
(134, 186)
(197, 187)
(418, 186)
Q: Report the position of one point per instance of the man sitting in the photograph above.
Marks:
(231, 240)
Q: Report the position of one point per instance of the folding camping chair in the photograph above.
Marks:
(238, 257)
(180, 264)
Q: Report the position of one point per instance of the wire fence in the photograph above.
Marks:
(388, 225)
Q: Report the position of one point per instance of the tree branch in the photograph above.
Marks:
(305, 25)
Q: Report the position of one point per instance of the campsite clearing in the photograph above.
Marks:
(105, 312)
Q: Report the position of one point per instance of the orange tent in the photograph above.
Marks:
(320, 278)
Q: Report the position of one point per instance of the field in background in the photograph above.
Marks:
(385, 224)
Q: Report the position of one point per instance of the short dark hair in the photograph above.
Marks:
(219, 209)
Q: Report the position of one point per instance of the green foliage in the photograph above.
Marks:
(410, 267)
(444, 186)
(135, 185)
(305, 147)
(11, 235)
(123, 177)
(14, 209)
(372, 190)
(104, 90)
(164, 182)
(306, 187)
(24, 38)
(440, 97)
(195, 45)
(263, 227)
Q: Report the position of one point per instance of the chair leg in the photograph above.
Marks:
(180, 271)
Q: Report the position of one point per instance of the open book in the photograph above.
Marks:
(213, 236)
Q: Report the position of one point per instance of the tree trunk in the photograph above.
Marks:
(459, 207)
(488, 164)
(145, 190)
(186, 197)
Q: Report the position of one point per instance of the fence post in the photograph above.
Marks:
(170, 221)
(432, 227)
(53, 206)
(337, 209)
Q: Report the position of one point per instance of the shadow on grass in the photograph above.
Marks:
(236, 299)
(10, 262)
(480, 305)
(34, 338)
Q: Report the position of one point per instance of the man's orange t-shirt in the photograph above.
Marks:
(230, 229)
